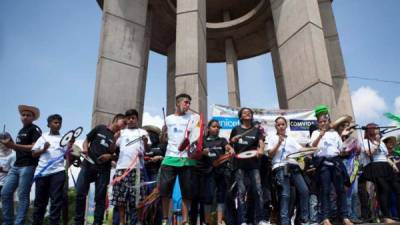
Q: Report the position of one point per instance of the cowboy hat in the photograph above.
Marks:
(387, 138)
(35, 111)
(342, 119)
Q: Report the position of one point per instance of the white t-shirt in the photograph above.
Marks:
(288, 146)
(53, 152)
(380, 154)
(177, 126)
(329, 145)
(127, 154)
(6, 162)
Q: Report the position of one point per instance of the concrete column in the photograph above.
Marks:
(191, 61)
(171, 90)
(276, 63)
(335, 57)
(123, 56)
(232, 73)
(303, 58)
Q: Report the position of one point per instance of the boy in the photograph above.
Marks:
(50, 172)
(99, 145)
(7, 159)
(126, 194)
(21, 174)
(177, 162)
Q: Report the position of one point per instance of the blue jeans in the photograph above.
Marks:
(255, 185)
(21, 178)
(283, 182)
(329, 175)
(101, 177)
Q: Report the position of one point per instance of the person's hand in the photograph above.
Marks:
(117, 135)
(281, 139)
(322, 133)
(205, 151)
(104, 158)
(164, 129)
(260, 153)
(234, 139)
(71, 143)
(85, 151)
(46, 146)
(145, 140)
(7, 142)
(156, 158)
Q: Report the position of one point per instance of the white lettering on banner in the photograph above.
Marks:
(301, 123)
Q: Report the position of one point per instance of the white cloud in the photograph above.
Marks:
(397, 105)
(155, 120)
(368, 104)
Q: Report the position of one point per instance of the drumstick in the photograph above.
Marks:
(163, 112)
(246, 132)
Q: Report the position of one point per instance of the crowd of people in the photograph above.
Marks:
(251, 178)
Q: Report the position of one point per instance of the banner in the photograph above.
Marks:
(299, 121)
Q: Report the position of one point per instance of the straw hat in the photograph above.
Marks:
(35, 111)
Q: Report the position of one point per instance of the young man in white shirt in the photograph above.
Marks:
(50, 173)
(128, 191)
(177, 163)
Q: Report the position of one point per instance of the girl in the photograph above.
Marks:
(379, 170)
(330, 168)
(287, 172)
(213, 179)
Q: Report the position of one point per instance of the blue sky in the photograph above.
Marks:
(49, 49)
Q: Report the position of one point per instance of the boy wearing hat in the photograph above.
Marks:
(20, 176)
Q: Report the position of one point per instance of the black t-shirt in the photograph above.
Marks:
(27, 136)
(246, 143)
(216, 148)
(155, 150)
(100, 140)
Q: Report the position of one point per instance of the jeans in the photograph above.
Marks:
(51, 186)
(314, 211)
(352, 201)
(255, 184)
(101, 177)
(327, 176)
(283, 182)
(21, 178)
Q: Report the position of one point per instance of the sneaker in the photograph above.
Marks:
(164, 222)
(356, 220)
(346, 221)
(389, 220)
(263, 222)
(326, 222)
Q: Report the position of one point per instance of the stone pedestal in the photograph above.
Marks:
(301, 53)
(335, 57)
(123, 56)
(191, 61)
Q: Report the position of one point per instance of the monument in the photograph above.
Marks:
(301, 36)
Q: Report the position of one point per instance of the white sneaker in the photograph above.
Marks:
(263, 222)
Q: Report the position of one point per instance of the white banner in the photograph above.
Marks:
(299, 121)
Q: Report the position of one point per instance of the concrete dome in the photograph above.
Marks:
(245, 23)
